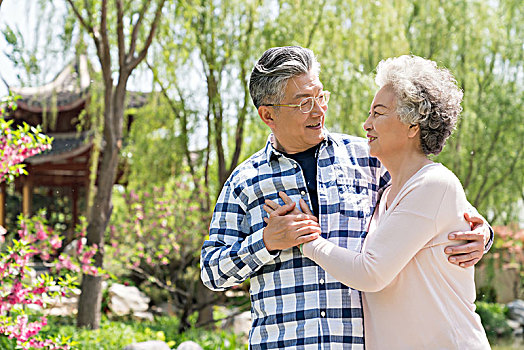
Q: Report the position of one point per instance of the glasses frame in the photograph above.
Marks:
(325, 95)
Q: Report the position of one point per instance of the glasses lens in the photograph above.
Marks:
(306, 105)
(326, 95)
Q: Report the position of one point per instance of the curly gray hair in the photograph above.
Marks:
(277, 65)
(426, 95)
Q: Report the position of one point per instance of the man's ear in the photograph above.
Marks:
(266, 113)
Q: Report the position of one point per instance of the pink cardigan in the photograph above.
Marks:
(413, 297)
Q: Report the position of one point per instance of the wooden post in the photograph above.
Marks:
(27, 196)
(74, 193)
(2, 203)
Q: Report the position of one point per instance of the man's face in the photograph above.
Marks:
(296, 131)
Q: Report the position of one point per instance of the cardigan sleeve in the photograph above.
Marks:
(399, 236)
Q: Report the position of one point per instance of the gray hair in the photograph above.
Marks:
(426, 95)
(276, 66)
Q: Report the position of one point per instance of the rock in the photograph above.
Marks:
(62, 306)
(143, 315)
(241, 324)
(189, 345)
(70, 249)
(165, 309)
(148, 345)
(125, 300)
(516, 326)
(516, 311)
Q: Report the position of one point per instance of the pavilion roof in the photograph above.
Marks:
(67, 91)
(64, 146)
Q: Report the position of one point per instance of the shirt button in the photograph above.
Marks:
(303, 193)
(321, 281)
(323, 313)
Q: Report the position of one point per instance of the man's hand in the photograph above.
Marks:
(468, 254)
(287, 226)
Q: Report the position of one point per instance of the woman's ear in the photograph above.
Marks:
(266, 113)
(413, 130)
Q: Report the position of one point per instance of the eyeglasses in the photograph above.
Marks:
(307, 104)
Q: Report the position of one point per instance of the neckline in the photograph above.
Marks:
(387, 190)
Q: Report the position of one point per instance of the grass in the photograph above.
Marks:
(114, 335)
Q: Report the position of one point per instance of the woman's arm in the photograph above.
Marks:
(389, 249)
(398, 238)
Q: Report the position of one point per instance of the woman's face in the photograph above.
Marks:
(387, 136)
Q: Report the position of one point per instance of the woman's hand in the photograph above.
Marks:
(287, 226)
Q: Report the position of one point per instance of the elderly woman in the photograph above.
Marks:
(413, 297)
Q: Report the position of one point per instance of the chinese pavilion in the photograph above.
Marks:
(59, 107)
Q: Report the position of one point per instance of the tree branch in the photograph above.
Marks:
(135, 61)
(239, 133)
(179, 116)
(89, 14)
(136, 27)
(82, 20)
(316, 24)
(487, 189)
(159, 283)
(120, 33)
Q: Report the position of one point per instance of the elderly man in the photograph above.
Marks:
(295, 303)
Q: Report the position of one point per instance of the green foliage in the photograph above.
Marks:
(17, 144)
(204, 124)
(493, 317)
(156, 237)
(115, 335)
(506, 253)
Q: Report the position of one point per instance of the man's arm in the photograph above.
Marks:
(479, 239)
(235, 249)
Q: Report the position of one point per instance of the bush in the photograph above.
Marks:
(115, 335)
(493, 317)
(156, 237)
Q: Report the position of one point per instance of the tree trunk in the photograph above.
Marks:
(90, 301)
(205, 296)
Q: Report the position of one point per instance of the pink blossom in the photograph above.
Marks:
(55, 241)
(41, 234)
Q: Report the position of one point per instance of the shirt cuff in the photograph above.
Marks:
(488, 245)
(259, 248)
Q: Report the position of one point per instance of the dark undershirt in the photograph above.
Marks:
(308, 163)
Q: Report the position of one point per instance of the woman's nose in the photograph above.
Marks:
(367, 124)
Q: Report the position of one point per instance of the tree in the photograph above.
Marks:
(136, 25)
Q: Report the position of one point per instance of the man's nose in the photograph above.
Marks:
(317, 108)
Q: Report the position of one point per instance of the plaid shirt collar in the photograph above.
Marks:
(272, 153)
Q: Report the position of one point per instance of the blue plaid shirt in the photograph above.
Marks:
(295, 304)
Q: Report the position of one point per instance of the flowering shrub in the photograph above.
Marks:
(35, 239)
(17, 144)
(157, 236)
(17, 291)
(507, 247)
(506, 256)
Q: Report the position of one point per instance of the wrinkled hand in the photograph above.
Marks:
(287, 226)
(468, 254)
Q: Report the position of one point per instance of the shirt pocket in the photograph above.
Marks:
(354, 199)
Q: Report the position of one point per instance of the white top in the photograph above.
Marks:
(413, 297)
